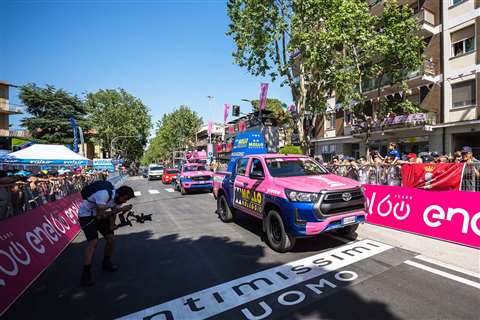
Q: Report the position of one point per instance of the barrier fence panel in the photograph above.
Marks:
(391, 175)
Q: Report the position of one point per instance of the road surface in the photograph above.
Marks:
(187, 264)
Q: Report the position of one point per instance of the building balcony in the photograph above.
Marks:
(392, 122)
(14, 133)
(426, 19)
(5, 108)
(426, 72)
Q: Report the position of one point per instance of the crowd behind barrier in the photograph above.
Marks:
(18, 194)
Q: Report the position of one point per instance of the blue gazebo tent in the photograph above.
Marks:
(45, 155)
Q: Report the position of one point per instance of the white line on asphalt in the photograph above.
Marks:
(137, 193)
(169, 190)
(153, 191)
(444, 274)
(448, 266)
(226, 296)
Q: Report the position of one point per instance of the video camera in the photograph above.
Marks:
(139, 218)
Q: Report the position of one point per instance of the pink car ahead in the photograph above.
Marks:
(194, 176)
(293, 195)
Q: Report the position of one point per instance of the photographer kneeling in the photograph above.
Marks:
(97, 214)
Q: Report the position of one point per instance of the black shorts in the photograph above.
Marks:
(91, 226)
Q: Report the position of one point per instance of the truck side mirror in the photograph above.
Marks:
(257, 175)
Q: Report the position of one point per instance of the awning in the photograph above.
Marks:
(342, 139)
(45, 154)
(455, 124)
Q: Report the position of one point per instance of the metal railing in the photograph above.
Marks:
(391, 175)
(21, 196)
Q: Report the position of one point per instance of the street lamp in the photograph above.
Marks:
(119, 137)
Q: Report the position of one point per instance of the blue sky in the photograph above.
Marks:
(167, 53)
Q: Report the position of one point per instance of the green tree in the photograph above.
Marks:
(176, 131)
(278, 109)
(323, 48)
(115, 114)
(51, 110)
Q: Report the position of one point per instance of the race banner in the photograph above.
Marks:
(226, 109)
(31, 241)
(263, 96)
(447, 215)
(210, 125)
(75, 134)
(433, 176)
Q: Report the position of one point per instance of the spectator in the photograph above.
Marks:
(392, 151)
(436, 156)
(412, 157)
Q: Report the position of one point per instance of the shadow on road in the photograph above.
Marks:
(157, 269)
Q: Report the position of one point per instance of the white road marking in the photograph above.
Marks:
(169, 190)
(137, 193)
(153, 191)
(444, 274)
(232, 294)
(448, 266)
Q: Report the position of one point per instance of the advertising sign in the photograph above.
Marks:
(30, 242)
(103, 164)
(447, 215)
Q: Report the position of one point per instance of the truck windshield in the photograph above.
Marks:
(285, 167)
(156, 168)
(172, 171)
(195, 168)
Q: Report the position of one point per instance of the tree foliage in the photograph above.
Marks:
(176, 131)
(278, 109)
(116, 114)
(50, 111)
(323, 48)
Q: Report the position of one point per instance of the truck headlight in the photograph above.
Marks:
(298, 196)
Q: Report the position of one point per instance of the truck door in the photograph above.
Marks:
(249, 188)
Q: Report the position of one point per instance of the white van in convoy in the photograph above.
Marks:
(155, 171)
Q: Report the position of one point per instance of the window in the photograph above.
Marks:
(463, 94)
(330, 118)
(257, 167)
(455, 2)
(463, 41)
(242, 166)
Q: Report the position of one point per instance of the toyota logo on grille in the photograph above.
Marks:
(346, 196)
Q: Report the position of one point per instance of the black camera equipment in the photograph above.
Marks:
(139, 218)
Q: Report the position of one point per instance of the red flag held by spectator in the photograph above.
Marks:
(433, 176)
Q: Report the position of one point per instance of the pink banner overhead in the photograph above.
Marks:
(226, 109)
(29, 243)
(447, 215)
(263, 96)
(210, 125)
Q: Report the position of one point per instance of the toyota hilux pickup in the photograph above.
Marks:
(194, 176)
(293, 195)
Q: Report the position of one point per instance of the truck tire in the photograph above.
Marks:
(348, 231)
(277, 236)
(183, 191)
(224, 211)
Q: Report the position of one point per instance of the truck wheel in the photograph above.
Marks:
(223, 210)
(348, 231)
(182, 190)
(278, 238)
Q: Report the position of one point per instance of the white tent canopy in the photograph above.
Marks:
(45, 154)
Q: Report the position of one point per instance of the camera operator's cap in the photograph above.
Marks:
(466, 149)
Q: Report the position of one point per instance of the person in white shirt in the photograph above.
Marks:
(97, 215)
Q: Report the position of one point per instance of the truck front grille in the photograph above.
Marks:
(333, 203)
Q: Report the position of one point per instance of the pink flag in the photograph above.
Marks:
(226, 109)
(210, 125)
(263, 96)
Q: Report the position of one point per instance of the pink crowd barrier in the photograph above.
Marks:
(31, 241)
(447, 215)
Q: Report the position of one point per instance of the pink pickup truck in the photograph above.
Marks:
(293, 195)
(194, 176)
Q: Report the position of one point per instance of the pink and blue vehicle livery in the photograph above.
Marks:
(194, 176)
(293, 196)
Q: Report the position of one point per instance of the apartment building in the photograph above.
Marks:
(445, 87)
(461, 84)
(6, 110)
